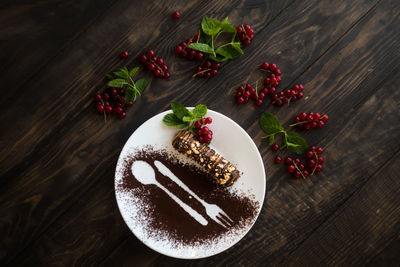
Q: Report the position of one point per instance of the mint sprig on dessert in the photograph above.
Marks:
(270, 124)
(193, 120)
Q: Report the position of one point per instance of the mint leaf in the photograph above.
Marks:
(226, 26)
(199, 111)
(172, 120)
(179, 110)
(188, 118)
(218, 58)
(236, 46)
(269, 123)
(133, 71)
(117, 83)
(210, 26)
(295, 143)
(141, 84)
(228, 52)
(130, 94)
(202, 48)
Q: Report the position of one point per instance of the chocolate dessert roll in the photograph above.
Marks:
(222, 171)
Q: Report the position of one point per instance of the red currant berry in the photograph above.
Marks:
(213, 72)
(176, 15)
(297, 161)
(310, 154)
(291, 168)
(204, 130)
(239, 30)
(259, 102)
(278, 160)
(208, 120)
(265, 65)
(318, 168)
(261, 96)
(97, 97)
(311, 163)
(100, 107)
(306, 173)
(178, 49)
(246, 94)
(246, 42)
(122, 115)
(207, 65)
(150, 53)
(207, 75)
(199, 56)
(124, 54)
(129, 104)
(275, 147)
(320, 160)
(319, 150)
(207, 138)
(324, 118)
(288, 160)
(272, 90)
(240, 100)
(167, 75)
(118, 110)
(198, 124)
(241, 89)
(272, 67)
(108, 109)
(297, 174)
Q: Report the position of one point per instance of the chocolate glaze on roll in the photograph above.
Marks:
(222, 171)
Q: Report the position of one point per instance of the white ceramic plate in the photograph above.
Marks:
(230, 141)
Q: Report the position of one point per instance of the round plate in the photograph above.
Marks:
(230, 141)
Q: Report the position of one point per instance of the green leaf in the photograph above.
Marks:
(204, 38)
(172, 120)
(210, 26)
(130, 94)
(269, 123)
(228, 52)
(202, 48)
(295, 143)
(226, 26)
(117, 83)
(109, 76)
(188, 118)
(218, 58)
(199, 111)
(236, 46)
(180, 110)
(141, 84)
(133, 71)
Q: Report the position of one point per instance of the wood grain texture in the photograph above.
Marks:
(57, 204)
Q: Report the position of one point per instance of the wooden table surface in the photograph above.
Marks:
(57, 201)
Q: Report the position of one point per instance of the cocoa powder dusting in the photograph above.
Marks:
(165, 219)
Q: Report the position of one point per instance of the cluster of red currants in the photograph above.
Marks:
(187, 52)
(287, 96)
(112, 101)
(207, 70)
(154, 64)
(299, 168)
(203, 133)
(310, 120)
(245, 33)
(245, 92)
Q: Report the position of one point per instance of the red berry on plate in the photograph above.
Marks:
(208, 120)
(291, 168)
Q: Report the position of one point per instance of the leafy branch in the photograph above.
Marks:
(124, 78)
(211, 29)
(270, 124)
(183, 118)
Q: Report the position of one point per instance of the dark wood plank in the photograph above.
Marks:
(360, 228)
(34, 33)
(389, 256)
(73, 160)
